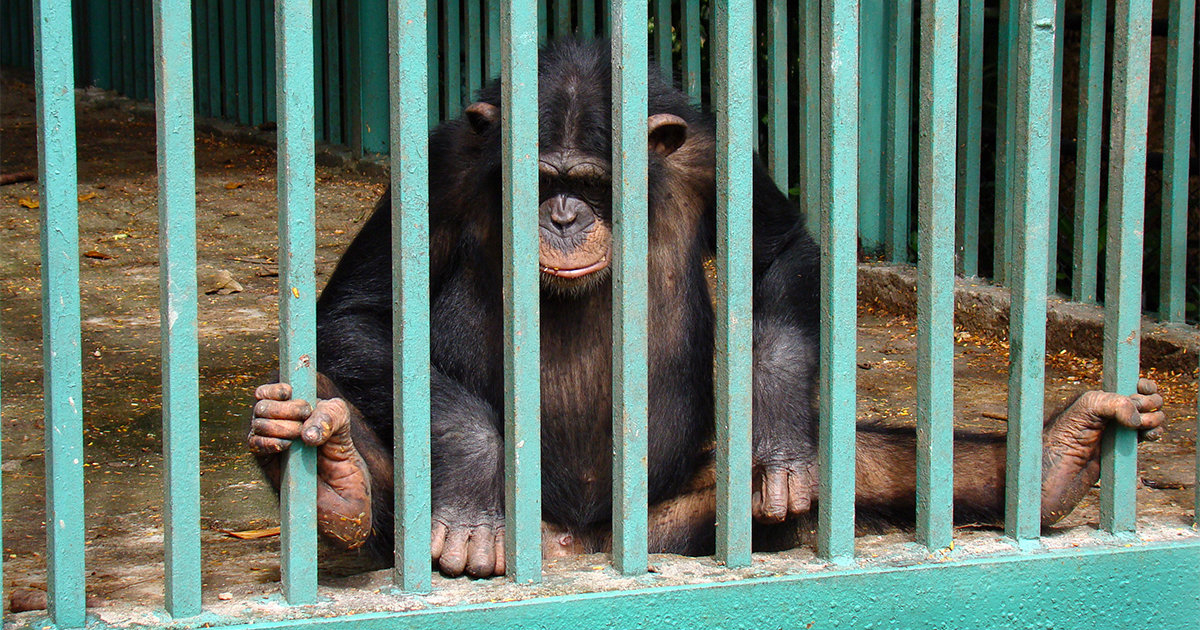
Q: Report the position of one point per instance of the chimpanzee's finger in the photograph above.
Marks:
(1152, 435)
(454, 554)
(1147, 402)
(798, 494)
(260, 445)
(330, 420)
(273, 391)
(756, 504)
(500, 562)
(295, 410)
(481, 552)
(775, 495)
(1147, 386)
(437, 540)
(280, 429)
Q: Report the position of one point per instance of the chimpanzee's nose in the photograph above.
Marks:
(563, 213)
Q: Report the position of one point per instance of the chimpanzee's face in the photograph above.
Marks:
(574, 219)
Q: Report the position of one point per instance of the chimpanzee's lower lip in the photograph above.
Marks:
(577, 273)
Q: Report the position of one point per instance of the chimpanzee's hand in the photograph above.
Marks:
(343, 481)
(467, 540)
(783, 487)
(1071, 442)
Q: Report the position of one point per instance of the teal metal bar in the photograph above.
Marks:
(474, 48)
(1123, 253)
(872, 76)
(242, 24)
(409, 80)
(62, 381)
(493, 40)
(452, 58)
(732, 102)
(319, 65)
(690, 47)
(228, 60)
(332, 56)
(839, 301)
(1060, 12)
(897, 120)
(257, 88)
(1181, 33)
(630, 292)
(522, 310)
(562, 18)
(777, 94)
(1031, 201)
(1090, 134)
(543, 21)
(935, 269)
(269, 104)
(203, 102)
(373, 81)
(128, 82)
(809, 115)
(970, 134)
(1005, 139)
(98, 34)
(435, 77)
(662, 36)
(297, 287)
(177, 282)
(140, 58)
(212, 12)
(586, 10)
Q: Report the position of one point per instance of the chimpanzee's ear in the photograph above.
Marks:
(482, 115)
(667, 133)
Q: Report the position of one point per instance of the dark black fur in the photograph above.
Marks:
(354, 318)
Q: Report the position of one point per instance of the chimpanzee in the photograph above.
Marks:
(352, 420)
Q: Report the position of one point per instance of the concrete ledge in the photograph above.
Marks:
(982, 307)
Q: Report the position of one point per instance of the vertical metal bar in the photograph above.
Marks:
(1090, 134)
(662, 36)
(98, 28)
(410, 291)
(242, 23)
(1123, 255)
(970, 134)
(897, 144)
(839, 209)
(435, 77)
(333, 72)
(199, 60)
(522, 377)
(809, 115)
(319, 65)
(373, 80)
(177, 282)
(128, 83)
(691, 51)
(872, 77)
(212, 14)
(630, 292)
(1181, 31)
(1060, 11)
(1005, 114)
(138, 35)
(732, 99)
(297, 303)
(474, 48)
(268, 63)
(493, 39)
(777, 94)
(62, 382)
(587, 18)
(1031, 202)
(935, 269)
(543, 10)
(256, 61)
(228, 60)
(452, 58)
(562, 18)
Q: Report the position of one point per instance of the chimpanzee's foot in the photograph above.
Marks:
(343, 481)
(783, 490)
(1071, 442)
(467, 540)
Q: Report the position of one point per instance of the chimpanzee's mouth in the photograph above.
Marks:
(577, 272)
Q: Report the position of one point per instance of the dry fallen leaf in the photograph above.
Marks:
(254, 534)
(98, 255)
(222, 283)
(26, 202)
(88, 196)
(233, 185)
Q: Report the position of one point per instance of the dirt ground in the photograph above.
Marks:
(238, 338)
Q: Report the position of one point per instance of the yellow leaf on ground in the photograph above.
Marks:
(254, 534)
(88, 196)
(26, 202)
